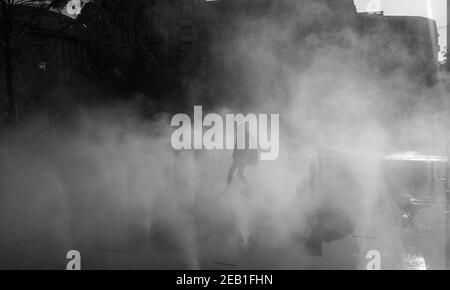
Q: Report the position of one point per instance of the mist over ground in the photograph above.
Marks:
(106, 181)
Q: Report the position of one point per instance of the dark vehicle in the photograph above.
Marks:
(381, 202)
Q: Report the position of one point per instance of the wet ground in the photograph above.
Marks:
(424, 249)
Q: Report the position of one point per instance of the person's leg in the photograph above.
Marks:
(247, 190)
(231, 172)
(241, 174)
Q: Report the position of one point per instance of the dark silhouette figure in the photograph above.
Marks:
(242, 158)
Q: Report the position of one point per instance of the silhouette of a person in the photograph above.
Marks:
(241, 159)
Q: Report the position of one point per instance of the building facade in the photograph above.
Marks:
(48, 50)
(172, 30)
(406, 44)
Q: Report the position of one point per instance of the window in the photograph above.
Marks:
(204, 35)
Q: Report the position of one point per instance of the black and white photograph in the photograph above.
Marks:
(231, 136)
